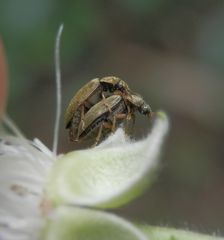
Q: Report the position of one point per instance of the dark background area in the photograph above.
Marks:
(169, 51)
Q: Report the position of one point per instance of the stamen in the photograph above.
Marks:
(58, 89)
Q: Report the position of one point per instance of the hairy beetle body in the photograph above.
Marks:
(106, 116)
(89, 95)
(100, 106)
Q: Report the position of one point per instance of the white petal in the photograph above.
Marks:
(23, 170)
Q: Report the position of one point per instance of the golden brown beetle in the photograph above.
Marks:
(105, 116)
(101, 118)
(90, 94)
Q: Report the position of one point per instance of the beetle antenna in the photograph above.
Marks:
(58, 88)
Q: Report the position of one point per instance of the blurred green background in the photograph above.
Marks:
(171, 52)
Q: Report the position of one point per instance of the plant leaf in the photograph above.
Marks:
(162, 233)
(69, 223)
(109, 175)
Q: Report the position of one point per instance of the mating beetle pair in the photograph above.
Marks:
(100, 106)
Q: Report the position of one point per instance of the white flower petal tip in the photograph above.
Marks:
(23, 170)
(75, 223)
(117, 139)
(111, 174)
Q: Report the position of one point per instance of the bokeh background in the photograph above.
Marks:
(171, 52)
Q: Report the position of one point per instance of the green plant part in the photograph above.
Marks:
(71, 223)
(110, 174)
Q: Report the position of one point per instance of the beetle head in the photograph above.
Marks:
(121, 86)
(113, 84)
(145, 109)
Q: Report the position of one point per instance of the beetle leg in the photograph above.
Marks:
(109, 109)
(114, 124)
(103, 99)
(102, 95)
(82, 123)
(82, 117)
(98, 135)
(129, 110)
(129, 124)
(115, 117)
(71, 135)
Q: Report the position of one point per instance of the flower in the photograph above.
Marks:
(105, 176)
(108, 175)
(41, 193)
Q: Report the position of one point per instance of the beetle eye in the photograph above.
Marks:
(119, 87)
(145, 109)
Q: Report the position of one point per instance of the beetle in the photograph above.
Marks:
(105, 116)
(136, 102)
(90, 94)
(102, 118)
